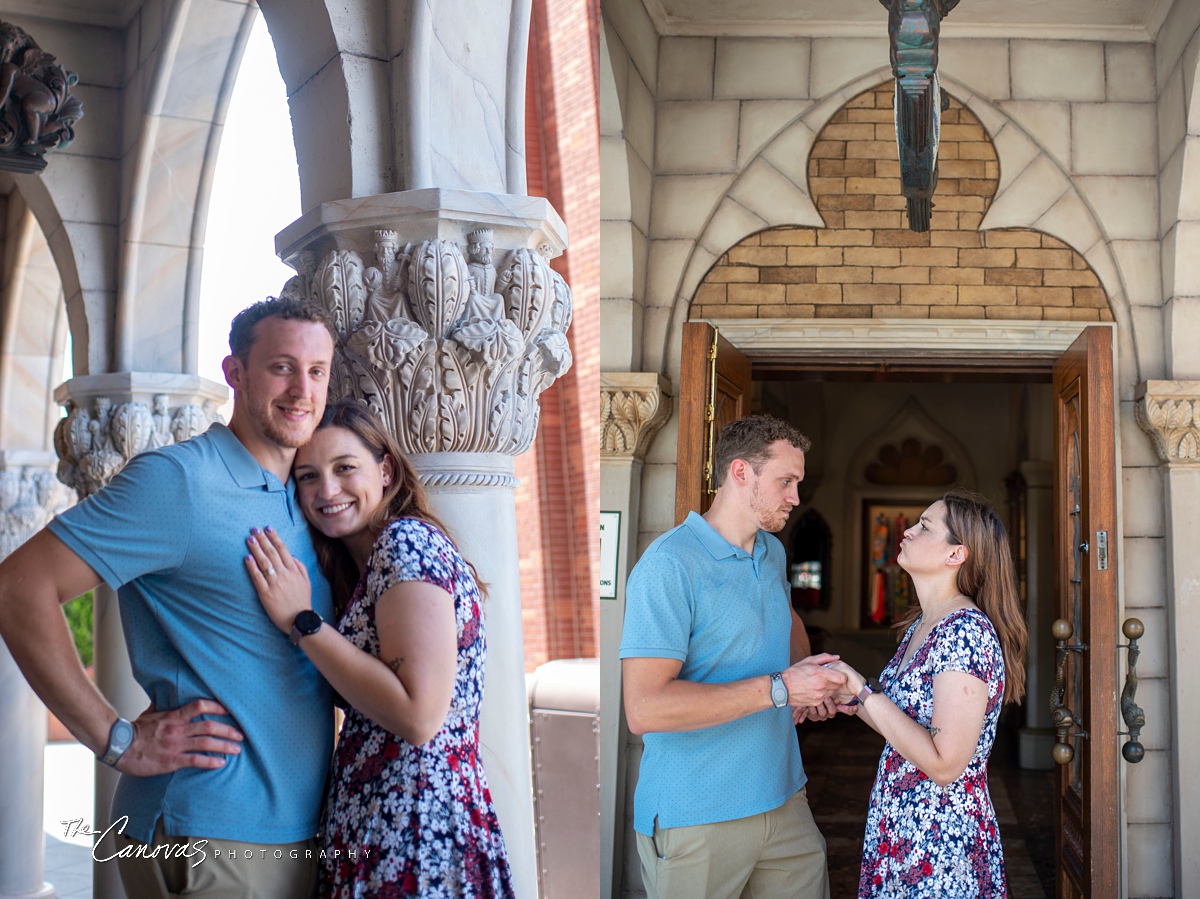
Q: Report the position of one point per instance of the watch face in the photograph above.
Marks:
(122, 734)
(308, 622)
(779, 694)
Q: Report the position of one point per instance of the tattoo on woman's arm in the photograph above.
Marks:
(395, 664)
(933, 731)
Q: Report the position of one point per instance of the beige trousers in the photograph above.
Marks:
(774, 855)
(217, 869)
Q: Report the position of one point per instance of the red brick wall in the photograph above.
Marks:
(558, 500)
(865, 263)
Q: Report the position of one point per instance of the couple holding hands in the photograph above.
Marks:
(717, 670)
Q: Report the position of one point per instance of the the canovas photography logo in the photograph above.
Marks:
(198, 850)
(76, 828)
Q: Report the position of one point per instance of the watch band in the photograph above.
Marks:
(870, 685)
(120, 738)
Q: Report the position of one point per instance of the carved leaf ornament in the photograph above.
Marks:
(445, 367)
(1175, 427)
(94, 445)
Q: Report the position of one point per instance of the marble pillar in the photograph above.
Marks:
(29, 497)
(451, 323)
(1169, 411)
(110, 419)
(633, 406)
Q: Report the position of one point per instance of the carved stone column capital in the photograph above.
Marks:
(30, 495)
(450, 320)
(113, 417)
(1169, 411)
(633, 406)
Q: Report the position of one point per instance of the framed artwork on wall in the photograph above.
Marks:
(887, 588)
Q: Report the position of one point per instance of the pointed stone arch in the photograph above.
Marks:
(1027, 170)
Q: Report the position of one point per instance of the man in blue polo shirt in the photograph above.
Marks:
(716, 671)
(233, 753)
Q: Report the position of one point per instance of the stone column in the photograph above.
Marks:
(110, 419)
(451, 323)
(1169, 411)
(29, 497)
(633, 406)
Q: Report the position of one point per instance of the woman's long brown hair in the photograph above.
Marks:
(404, 497)
(989, 577)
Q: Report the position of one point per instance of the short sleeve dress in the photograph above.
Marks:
(923, 840)
(404, 820)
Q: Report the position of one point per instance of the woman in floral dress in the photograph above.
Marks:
(408, 812)
(931, 828)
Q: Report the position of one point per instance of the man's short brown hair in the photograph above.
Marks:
(750, 438)
(241, 334)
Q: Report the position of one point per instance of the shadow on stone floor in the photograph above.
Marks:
(840, 758)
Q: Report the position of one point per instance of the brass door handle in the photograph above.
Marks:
(1063, 717)
(1135, 718)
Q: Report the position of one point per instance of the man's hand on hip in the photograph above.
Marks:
(809, 684)
(167, 741)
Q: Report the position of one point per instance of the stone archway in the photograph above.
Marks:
(34, 334)
(865, 263)
(1033, 192)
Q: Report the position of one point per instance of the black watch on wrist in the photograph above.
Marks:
(307, 623)
(120, 738)
(870, 685)
(779, 690)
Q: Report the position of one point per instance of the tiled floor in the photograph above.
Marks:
(840, 758)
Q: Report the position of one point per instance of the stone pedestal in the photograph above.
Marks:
(633, 406)
(451, 323)
(110, 419)
(29, 496)
(1169, 411)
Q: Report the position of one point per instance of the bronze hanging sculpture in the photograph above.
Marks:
(913, 27)
(37, 110)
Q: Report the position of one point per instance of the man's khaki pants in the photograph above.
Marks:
(774, 855)
(229, 870)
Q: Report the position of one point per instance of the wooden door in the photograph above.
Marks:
(714, 389)
(1085, 550)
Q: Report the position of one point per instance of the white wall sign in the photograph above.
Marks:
(610, 540)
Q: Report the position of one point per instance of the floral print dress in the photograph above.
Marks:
(923, 840)
(418, 819)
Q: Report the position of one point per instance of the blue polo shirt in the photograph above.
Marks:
(168, 533)
(725, 614)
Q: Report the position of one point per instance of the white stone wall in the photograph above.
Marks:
(628, 75)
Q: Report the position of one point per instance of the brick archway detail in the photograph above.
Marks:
(865, 263)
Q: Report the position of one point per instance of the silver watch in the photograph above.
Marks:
(120, 738)
(779, 690)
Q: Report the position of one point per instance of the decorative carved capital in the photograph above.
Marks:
(30, 495)
(633, 406)
(37, 110)
(112, 418)
(1169, 411)
(450, 341)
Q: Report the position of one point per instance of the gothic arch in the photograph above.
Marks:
(33, 337)
(1021, 201)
